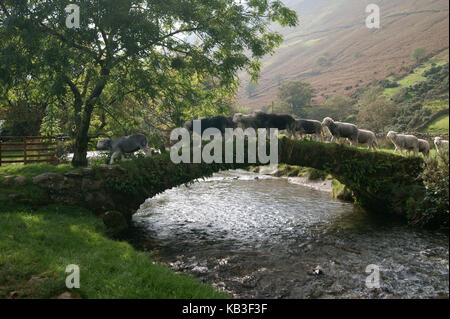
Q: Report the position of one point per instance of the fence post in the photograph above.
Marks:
(25, 150)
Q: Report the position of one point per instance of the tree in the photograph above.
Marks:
(322, 61)
(297, 94)
(378, 115)
(340, 107)
(130, 48)
(337, 107)
(23, 119)
(418, 54)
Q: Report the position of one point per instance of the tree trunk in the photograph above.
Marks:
(82, 140)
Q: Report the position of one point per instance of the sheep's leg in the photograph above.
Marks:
(147, 151)
(289, 134)
(113, 157)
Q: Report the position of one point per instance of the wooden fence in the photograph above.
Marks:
(27, 149)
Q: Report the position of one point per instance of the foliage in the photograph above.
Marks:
(378, 115)
(433, 210)
(337, 107)
(315, 174)
(340, 191)
(298, 95)
(418, 54)
(152, 51)
(322, 61)
(22, 118)
(388, 84)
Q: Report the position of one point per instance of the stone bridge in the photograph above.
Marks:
(381, 182)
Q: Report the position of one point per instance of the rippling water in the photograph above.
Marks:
(258, 236)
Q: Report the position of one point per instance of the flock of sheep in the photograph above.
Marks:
(338, 130)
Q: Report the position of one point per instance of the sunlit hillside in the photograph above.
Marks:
(334, 50)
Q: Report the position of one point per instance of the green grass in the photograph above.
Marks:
(40, 244)
(31, 170)
(416, 77)
(439, 126)
(435, 105)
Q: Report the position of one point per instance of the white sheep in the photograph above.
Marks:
(341, 130)
(440, 144)
(369, 138)
(424, 148)
(404, 142)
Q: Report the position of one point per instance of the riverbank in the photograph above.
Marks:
(303, 176)
(319, 185)
(36, 246)
(39, 239)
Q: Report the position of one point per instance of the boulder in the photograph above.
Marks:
(48, 179)
(20, 181)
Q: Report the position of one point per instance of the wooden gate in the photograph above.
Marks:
(27, 149)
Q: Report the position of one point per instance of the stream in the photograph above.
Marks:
(257, 236)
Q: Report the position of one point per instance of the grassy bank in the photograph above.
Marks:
(37, 245)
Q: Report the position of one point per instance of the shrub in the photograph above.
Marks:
(387, 84)
(316, 174)
(433, 210)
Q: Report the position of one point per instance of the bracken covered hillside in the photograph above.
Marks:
(334, 50)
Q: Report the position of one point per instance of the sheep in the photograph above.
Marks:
(260, 119)
(220, 122)
(125, 144)
(404, 142)
(424, 148)
(341, 130)
(368, 137)
(440, 144)
(310, 127)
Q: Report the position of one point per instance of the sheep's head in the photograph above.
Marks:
(437, 140)
(327, 121)
(188, 125)
(104, 144)
(391, 135)
(237, 117)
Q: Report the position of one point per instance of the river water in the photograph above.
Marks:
(256, 236)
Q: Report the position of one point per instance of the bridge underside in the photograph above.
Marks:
(381, 182)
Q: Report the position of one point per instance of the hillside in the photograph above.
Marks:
(353, 56)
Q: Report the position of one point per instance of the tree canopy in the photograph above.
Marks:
(148, 51)
(298, 95)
